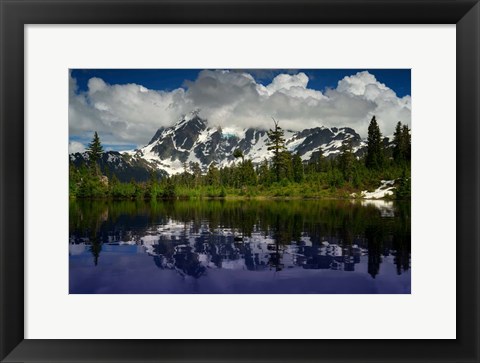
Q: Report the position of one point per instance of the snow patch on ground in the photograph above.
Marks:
(385, 189)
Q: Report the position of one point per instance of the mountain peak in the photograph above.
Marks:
(157, 135)
(192, 115)
(191, 140)
(191, 119)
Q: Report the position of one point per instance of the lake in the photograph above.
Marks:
(239, 247)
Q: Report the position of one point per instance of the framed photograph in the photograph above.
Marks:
(273, 181)
(210, 201)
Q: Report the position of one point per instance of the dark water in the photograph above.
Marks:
(239, 247)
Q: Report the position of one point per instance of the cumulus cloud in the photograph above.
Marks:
(131, 113)
(75, 147)
(123, 114)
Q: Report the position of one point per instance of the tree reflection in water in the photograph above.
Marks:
(194, 236)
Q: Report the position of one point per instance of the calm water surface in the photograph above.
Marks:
(239, 247)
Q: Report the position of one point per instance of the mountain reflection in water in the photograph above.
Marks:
(293, 246)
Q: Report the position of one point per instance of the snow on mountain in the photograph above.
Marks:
(193, 140)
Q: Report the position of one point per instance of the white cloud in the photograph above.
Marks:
(291, 85)
(75, 147)
(131, 113)
(122, 113)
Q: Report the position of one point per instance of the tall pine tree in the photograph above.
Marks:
(197, 172)
(297, 166)
(397, 143)
(263, 172)
(248, 175)
(407, 141)
(347, 161)
(402, 144)
(276, 143)
(94, 152)
(375, 156)
(213, 175)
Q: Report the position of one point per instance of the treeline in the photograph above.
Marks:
(284, 175)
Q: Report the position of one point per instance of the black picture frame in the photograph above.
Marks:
(16, 13)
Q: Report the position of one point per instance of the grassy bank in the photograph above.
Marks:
(276, 191)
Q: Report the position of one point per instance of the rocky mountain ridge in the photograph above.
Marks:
(193, 140)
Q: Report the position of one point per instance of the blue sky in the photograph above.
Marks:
(398, 80)
(127, 106)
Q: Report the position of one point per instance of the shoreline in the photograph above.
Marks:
(234, 198)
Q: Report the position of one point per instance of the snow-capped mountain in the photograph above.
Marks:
(122, 165)
(193, 140)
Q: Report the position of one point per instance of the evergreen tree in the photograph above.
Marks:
(407, 141)
(375, 157)
(397, 143)
(113, 186)
(152, 177)
(197, 172)
(227, 176)
(169, 190)
(238, 153)
(186, 178)
(297, 168)
(276, 143)
(317, 163)
(213, 175)
(403, 190)
(247, 173)
(151, 188)
(73, 179)
(347, 161)
(94, 151)
(264, 173)
(402, 144)
(286, 172)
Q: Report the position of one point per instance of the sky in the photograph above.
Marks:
(127, 106)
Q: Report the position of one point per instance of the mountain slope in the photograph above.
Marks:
(122, 165)
(193, 140)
